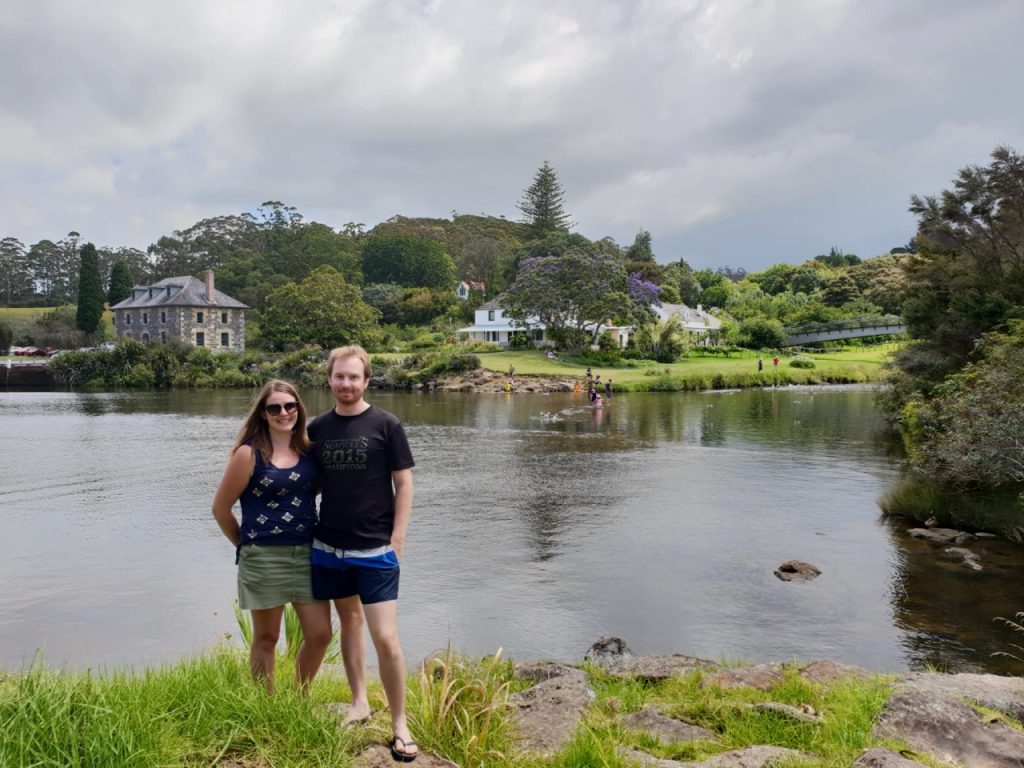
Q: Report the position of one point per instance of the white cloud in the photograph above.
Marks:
(702, 121)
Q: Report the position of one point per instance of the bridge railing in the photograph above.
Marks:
(885, 321)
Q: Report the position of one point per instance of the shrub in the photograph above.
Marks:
(140, 376)
(801, 362)
(520, 340)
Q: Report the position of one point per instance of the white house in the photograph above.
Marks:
(491, 324)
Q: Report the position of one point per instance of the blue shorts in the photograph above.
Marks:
(371, 574)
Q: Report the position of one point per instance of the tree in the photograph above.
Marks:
(120, 283)
(323, 310)
(90, 291)
(15, 277)
(967, 278)
(413, 262)
(640, 250)
(542, 204)
(575, 294)
(661, 340)
(761, 333)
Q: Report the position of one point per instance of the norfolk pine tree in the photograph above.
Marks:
(542, 204)
(90, 291)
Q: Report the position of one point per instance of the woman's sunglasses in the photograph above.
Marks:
(274, 409)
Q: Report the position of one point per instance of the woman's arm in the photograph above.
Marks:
(236, 478)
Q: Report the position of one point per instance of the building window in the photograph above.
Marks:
(224, 340)
(145, 318)
(163, 337)
(490, 315)
(199, 318)
(145, 338)
(127, 319)
(200, 339)
(224, 317)
(163, 316)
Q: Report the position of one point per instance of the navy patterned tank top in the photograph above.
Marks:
(279, 505)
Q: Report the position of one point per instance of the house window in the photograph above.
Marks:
(224, 317)
(127, 319)
(224, 340)
(145, 338)
(490, 315)
(200, 339)
(163, 337)
(145, 318)
(199, 318)
(163, 316)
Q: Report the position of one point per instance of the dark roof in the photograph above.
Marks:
(492, 304)
(177, 292)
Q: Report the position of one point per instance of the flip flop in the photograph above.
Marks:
(402, 755)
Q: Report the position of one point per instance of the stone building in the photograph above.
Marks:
(182, 308)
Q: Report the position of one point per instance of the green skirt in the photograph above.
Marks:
(272, 575)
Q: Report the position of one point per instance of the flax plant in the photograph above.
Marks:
(292, 634)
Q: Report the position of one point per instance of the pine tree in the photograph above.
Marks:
(120, 283)
(542, 204)
(90, 291)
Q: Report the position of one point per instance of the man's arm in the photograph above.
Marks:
(402, 478)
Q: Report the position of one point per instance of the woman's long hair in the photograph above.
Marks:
(255, 430)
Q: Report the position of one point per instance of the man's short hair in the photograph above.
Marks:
(353, 350)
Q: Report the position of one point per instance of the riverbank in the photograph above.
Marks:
(612, 708)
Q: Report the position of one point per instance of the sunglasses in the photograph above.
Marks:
(274, 409)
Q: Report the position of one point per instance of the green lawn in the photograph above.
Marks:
(867, 359)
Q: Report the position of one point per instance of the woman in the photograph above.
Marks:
(276, 482)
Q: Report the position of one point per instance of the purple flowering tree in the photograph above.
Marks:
(576, 294)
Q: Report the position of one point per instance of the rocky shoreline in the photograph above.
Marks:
(963, 720)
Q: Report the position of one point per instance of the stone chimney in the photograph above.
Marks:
(209, 287)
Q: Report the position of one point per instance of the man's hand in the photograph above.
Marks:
(398, 544)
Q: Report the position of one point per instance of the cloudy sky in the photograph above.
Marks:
(739, 132)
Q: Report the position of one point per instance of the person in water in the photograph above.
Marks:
(271, 474)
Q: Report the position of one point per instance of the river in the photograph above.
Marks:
(539, 524)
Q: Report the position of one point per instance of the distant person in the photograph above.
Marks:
(272, 474)
(576, 389)
(760, 364)
(608, 388)
(598, 400)
(597, 381)
(366, 471)
(775, 363)
(511, 375)
(589, 377)
(592, 393)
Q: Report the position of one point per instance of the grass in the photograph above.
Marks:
(207, 711)
(852, 365)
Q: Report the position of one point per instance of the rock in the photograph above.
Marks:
(666, 729)
(547, 714)
(969, 558)
(879, 757)
(804, 714)
(379, 756)
(797, 570)
(949, 730)
(825, 671)
(931, 522)
(607, 649)
(616, 658)
(940, 535)
(541, 670)
(984, 535)
(762, 676)
(1003, 694)
(635, 756)
(750, 757)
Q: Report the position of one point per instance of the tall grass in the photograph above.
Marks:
(195, 713)
(292, 634)
(459, 708)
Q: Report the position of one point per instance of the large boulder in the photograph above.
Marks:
(825, 671)
(879, 757)
(797, 570)
(940, 535)
(1005, 694)
(750, 757)
(616, 658)
(949, 731)
(547, 714)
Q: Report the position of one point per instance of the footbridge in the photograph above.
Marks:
(856, 328)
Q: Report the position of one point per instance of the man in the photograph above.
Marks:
(366, 470)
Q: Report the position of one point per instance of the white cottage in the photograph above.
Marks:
(491, 324)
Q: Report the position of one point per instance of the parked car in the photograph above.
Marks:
(108, 345)
(25, 351)
(43, 351)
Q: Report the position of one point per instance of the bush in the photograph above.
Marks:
(801, 362)
(520, 340)
(6, 337)
(480, 346)
(140, 376)
(443, 361)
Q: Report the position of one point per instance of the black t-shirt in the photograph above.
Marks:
(356, 456)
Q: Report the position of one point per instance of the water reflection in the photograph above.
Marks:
(539, 524)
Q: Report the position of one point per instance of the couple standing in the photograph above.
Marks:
(358, 457)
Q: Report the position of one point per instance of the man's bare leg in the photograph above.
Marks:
(353, 653)
(382, 619)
